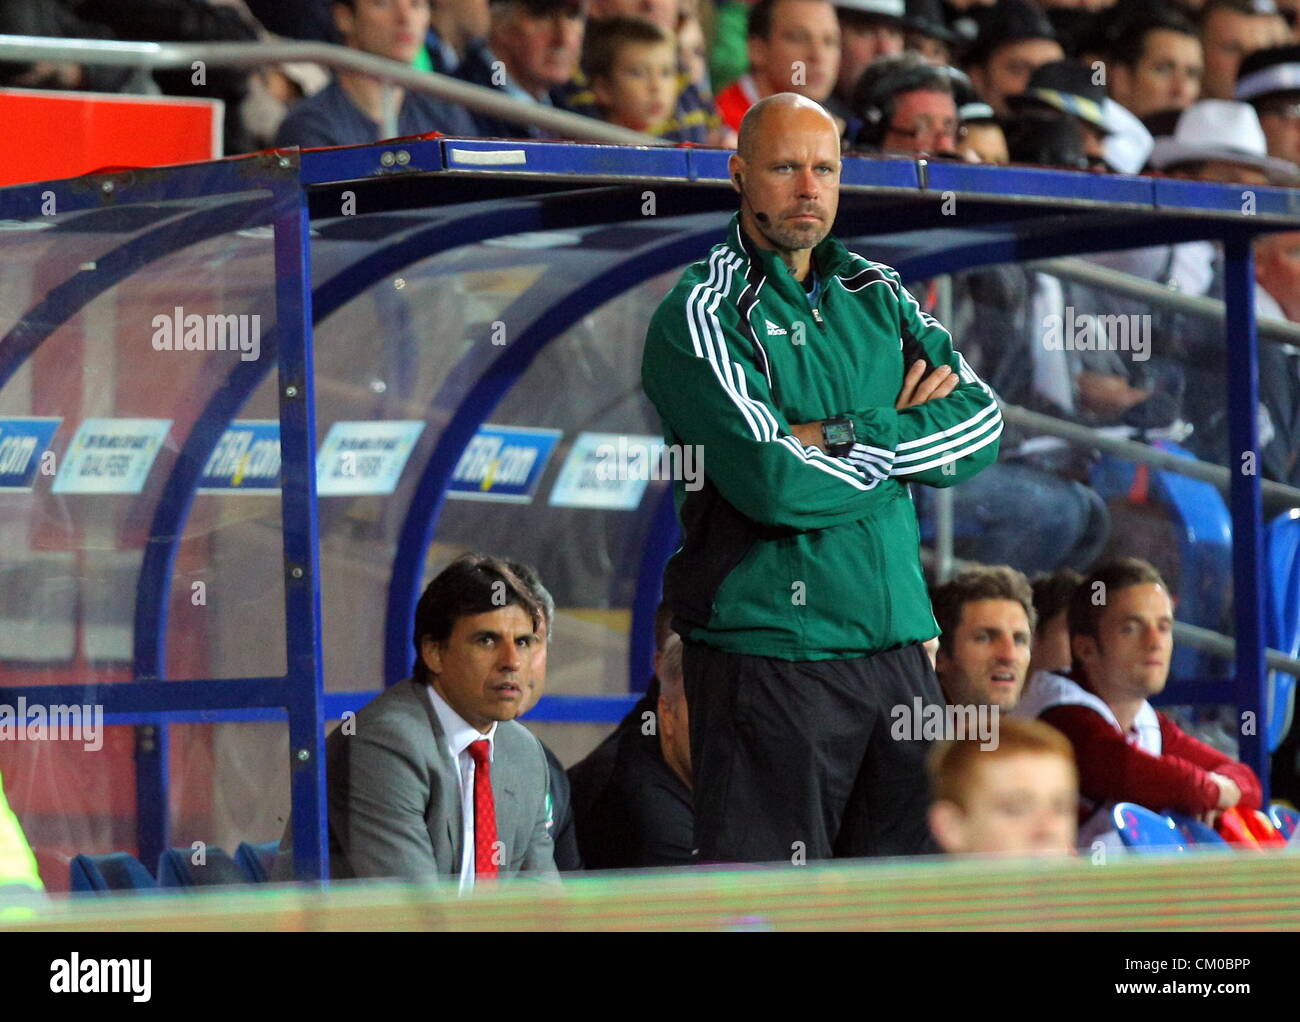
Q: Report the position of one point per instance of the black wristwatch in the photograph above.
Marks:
(838, 435)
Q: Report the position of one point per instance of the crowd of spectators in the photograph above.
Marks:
(686, 70)
(1204, 90)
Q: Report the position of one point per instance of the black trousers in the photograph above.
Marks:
(794, 761)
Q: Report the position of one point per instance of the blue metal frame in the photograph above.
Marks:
(662, 537)
(1247, 505)
(113, 267)
(304, 684)
(152, 704)
(494, 383)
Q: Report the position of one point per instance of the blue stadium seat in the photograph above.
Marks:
(256, 860)
(1282, 617)
(176, 868)
(1204, 529)
(1284, 818)
(1141, 830)
(1194, 832)
(116, 871)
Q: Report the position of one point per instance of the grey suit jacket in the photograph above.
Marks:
(394, 795)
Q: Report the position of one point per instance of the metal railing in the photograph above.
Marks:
(1080, 271)
(393, 74)
(1194, 636)
(1276, 495)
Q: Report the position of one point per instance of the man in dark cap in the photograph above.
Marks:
(1269, 80)
(1063, 88)
(926, 31)
(1014, 38)
(532, 51)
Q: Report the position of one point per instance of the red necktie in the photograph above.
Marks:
(485, 813)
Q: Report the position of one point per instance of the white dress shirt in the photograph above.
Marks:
(457, 737)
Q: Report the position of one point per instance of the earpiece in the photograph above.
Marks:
(762, 218)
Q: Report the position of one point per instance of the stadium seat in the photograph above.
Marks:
(256, 860)
(1265, 833)
(1204, 535)
(1284, 819)
(1232, 825)
(1194, 832)
(1252, 830)
(1282, 617)
(116, 871)
(1141, 830)
(176, 868)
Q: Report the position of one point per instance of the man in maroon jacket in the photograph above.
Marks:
(1121, 639)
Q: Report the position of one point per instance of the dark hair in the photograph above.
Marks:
(979, 582)
(1052, 593)
(1052, 140)
(1274, 102)
(1128, 40)
(886, 78)
(541, 595)
(759, 25)
(471, 584)
(1162, 122)
(604, 37)
(1105, 581)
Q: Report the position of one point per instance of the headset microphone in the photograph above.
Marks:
(762, 218)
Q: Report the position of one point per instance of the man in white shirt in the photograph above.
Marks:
(435, 777)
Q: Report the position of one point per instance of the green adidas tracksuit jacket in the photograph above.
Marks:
(786, 551)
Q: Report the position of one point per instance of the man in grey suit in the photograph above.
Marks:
(403, 801)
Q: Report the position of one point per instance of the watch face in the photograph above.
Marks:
(837, 432)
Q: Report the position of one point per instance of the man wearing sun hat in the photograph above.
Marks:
(1221, 140)
(1269, 80)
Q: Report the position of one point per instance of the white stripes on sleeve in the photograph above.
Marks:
(710, 343)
